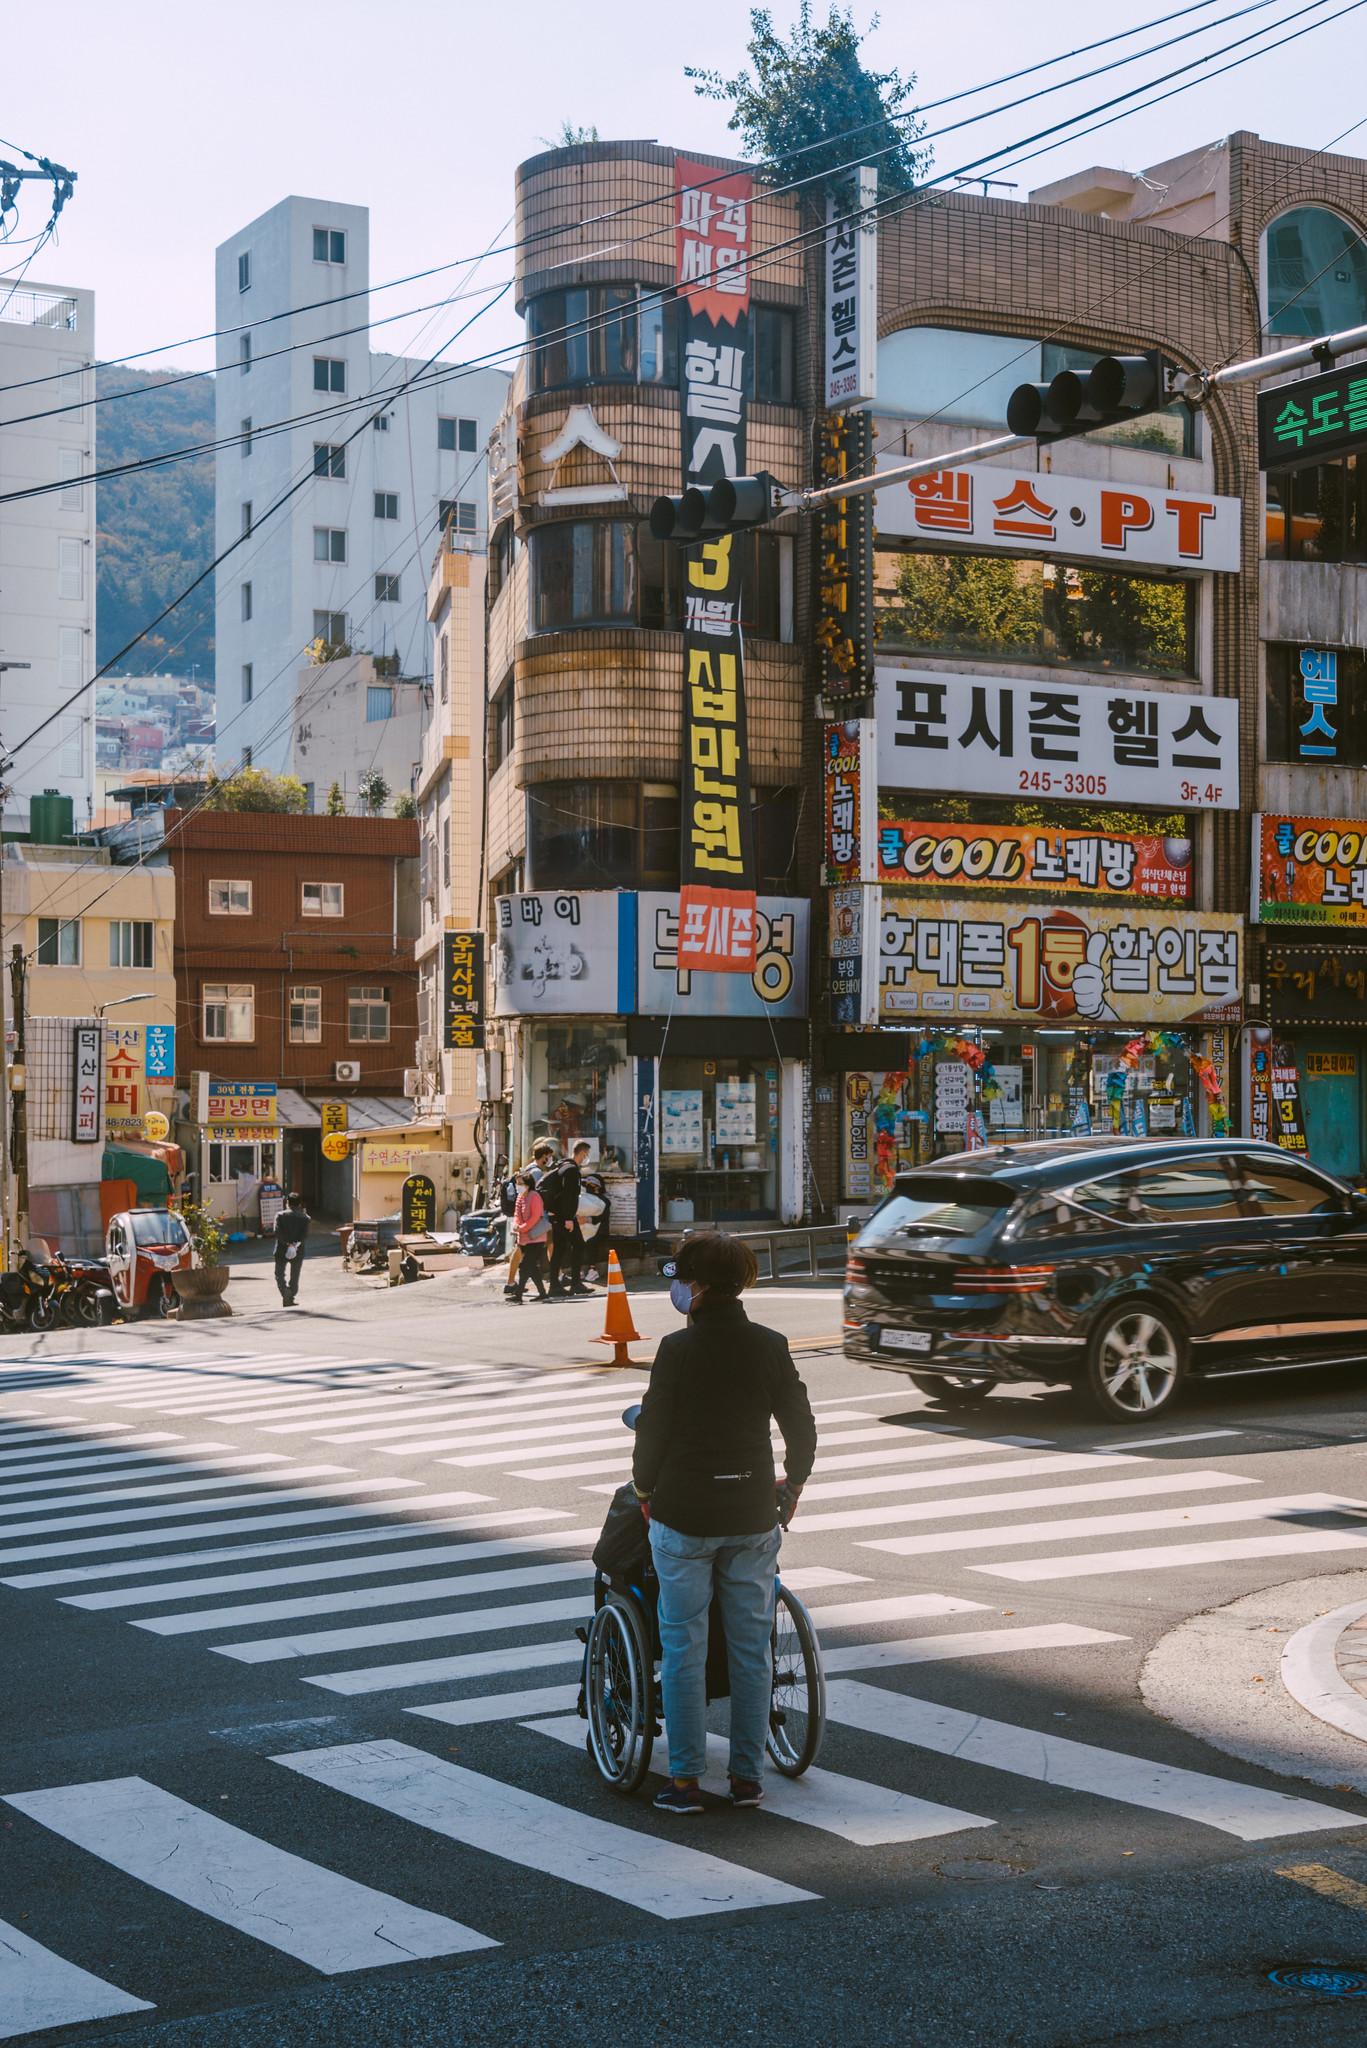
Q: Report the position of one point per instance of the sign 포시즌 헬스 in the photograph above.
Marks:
(1313, 419)
(717, 895)
(1056, 739)
(852, 290)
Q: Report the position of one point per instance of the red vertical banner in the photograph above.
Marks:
(717, 897)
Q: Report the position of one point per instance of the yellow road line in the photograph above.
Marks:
(1330, 1884)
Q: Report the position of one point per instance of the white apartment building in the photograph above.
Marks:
(345, 561)
(47, 544)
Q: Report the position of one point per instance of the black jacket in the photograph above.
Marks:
(291, 1228)
(559, 1190)
(702, 1442)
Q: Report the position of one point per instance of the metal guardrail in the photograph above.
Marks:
(40, 309)
(809, 1253)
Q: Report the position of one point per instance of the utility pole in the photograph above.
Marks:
(19, 1100)
(5, 1149)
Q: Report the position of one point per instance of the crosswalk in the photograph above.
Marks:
(412, 1543)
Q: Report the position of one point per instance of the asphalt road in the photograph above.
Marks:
(270, 1776)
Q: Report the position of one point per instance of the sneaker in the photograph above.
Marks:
(684, 1798)
(579, 1293)
(746, 1792)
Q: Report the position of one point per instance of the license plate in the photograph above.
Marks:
(905, 1340)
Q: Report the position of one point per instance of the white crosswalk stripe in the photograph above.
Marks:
(1166, 1557)
(39, 1989)
(1065, 1527)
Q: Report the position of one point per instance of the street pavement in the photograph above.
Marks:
(288, 1608)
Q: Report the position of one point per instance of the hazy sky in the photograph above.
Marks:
(185, 120)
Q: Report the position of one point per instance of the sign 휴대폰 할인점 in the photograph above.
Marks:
(1062, 858)
(462, 973)
(564, 953)
(776, 986)
(1309, 870)
(85, 1084)
(717, 861)
(1064, 515)
(1313, 419)
(852, 290)
(1058, 740)
(1095, 965)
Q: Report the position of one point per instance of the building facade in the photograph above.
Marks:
(47, 546)
(341, 568)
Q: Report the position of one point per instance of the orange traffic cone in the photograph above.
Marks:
(618, 1328)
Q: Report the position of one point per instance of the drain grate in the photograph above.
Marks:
(1330, 1979)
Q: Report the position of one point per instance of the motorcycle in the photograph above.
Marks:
(26, 1297)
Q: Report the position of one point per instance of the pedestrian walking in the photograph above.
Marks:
(532, 1228)
(291, 1228)
(560, 1190)
(541, 1161)
(703, 1471)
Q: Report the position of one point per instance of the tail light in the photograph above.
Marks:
(1002, 1279)
(855, 1271)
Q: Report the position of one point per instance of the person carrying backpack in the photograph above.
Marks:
(560, 1190)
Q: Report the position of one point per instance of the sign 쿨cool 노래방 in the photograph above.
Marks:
(712, 216)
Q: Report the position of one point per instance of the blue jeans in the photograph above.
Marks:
(740, 1569)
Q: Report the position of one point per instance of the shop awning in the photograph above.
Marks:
(364, 1112)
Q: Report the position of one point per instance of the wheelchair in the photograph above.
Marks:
(620, 1693)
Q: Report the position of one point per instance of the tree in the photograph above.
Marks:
(255, 789)
(811, 87)
(405, 805)
(570, 136)
(373, 790)
(336, 804)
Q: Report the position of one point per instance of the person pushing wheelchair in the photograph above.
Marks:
(704, 1475)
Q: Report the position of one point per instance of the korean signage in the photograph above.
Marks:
(418, 1205)
(85, 1084)
(1093, 965)
(852, 955)
(1309, 870)
(1048, 859)
(563, 953)
(377, 1158)
(334, 1118)
(775, 987)
(125, 1080)
(852, 291)
(1313, 419)
(160, 1052)
(462, 983)
(844, 595)
(717, 865)
(1315, 704)
(937, 730)
(1325, 984)
(1274, 1097)
(1063, 515)
(249, 1105)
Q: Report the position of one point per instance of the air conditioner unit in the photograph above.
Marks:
(411, 1081)
(347, 1070)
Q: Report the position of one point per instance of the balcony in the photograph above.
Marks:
(40, 309)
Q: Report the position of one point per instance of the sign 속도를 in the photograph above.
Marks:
(1313, 419)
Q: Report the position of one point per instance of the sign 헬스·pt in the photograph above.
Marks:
(717, 897)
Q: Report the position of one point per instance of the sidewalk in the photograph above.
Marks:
(1324, 1668)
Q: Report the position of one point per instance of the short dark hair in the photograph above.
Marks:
(542, 1145)
(721, 1264)
(581, 1145)
(296, 1201)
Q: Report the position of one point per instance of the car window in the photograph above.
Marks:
(1057, 1216)
(933, 1206)
(1187, 1191)
(158, 1227)
(1282, 1188)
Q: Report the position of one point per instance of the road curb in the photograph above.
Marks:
(1311, 1674)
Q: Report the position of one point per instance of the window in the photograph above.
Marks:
(229, 1014)
(446, 853)
(230, 899)
(70, 568)
(246, 682)
(1191, 1191)
(226, 1162)
(504, 725)
(773, 354)
(444, 665)
(458, 515)
(1317, 705)
(71, 463)
(245, 354)
(592, 572)
(386, 590)
(246, 515)
(927, 1206)
(586, 334)
(380, 423)
(322, 899)
(458, 434)
(329, 373)
(130, 942)
(386, 504)
(1012, 609)
(329, 245)
(368, 1016)
(59, 942)
(70, 659)
(329, 458)
(1319, 513)
(306, 1015)
(246, 602)
(330, 627)
(246, 757)
(246, 437)
(1316, 273)
(1285, 1189)
(329, 543)
(502, 556)
(244, 271)
(379, 702)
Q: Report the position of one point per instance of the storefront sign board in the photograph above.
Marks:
(381, 1158)
(852, 954)
(242, 1104)
(1309, 870)
(1063, 515)
(943, 960)
(1056, 860)
(849, 788)
(160, 1052)
(85, 1084)
(852, 290)
(844, 628)
(462, 987)
(565, 953)
(1324, 984)
(1056, 739)
(775, 987)
(126, 1098)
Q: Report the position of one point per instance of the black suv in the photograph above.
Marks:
(1122, 1265)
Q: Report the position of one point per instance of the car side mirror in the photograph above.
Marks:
(1357, 1205)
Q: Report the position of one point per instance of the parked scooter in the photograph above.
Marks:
(27, 1297)
(484, 1234)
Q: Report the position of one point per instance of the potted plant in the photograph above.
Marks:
(202, 1286)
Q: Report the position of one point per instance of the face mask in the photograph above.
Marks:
(681, 1294)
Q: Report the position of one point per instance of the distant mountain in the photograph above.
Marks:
(156, 528)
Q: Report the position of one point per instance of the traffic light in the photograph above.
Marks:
(732, 505)
(1116, 388)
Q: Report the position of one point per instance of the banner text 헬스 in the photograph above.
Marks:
(717, 900)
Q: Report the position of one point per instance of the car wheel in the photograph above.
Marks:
(1135, 1362)
(950, 1393)
(162, 1299)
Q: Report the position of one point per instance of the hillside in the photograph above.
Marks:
(156, 528)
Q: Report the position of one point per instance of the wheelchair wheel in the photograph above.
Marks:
(797, 1713)
(619, 1695)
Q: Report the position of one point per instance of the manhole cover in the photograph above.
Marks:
(1330, 1979)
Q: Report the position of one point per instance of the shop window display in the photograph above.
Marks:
(580, 1087)
(718, 1140)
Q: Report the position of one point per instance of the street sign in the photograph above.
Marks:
(1313, 419)
(335, 1147)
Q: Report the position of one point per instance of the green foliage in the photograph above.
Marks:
(570, 137)
(812, 85)
(255, 789)
(155, 528)
(206, 1236)
(405, 805)
(336, 803)
(982, 604)
(373, 790)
